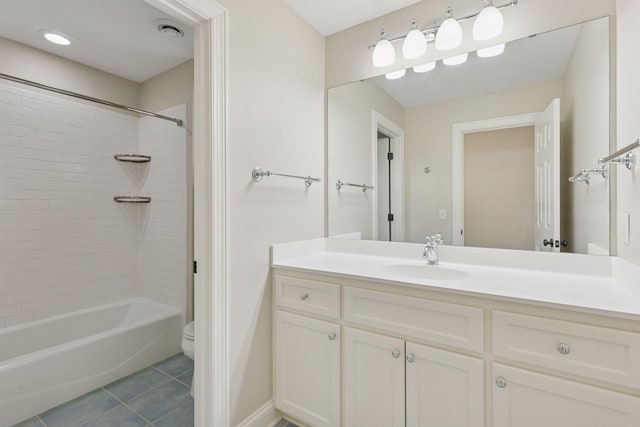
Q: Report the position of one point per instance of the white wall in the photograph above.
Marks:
(628, 125)
(64, 243)
(275, 121)
(163, 223)
(428, 143)
(349, 59)
(585, 136)
(350, 154)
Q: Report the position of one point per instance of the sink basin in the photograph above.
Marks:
(424, 271)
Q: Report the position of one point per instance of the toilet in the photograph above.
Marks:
(188, 348)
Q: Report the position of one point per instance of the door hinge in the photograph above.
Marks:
(195, 267)
(389, 156)
(390, 217)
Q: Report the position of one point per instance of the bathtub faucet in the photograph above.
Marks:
(431, 248)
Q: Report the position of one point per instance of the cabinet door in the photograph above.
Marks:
(444, 389)
(527, 399)
(373, 380)
(307, 362)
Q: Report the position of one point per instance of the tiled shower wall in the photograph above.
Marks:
(64, 243)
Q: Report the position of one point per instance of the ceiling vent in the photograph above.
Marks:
(168, 28)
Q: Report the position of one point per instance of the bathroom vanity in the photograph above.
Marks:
(366, 334)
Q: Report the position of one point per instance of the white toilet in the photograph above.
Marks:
(188, 348)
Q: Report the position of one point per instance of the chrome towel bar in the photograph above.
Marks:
(584, 174)
(629, 160)
(257, 174)
(340, 184)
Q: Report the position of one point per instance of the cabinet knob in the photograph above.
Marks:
(332, 336)
(411, 357)
(501, 382)
(304, 297)
(564, 348)
(396, 353)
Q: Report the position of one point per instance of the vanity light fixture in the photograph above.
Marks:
(383, 54)
(55, 37)
(492, 51)
(456, 60)
(394, 75)
(415, 44)
(489, 23)
(425, 67)
(449, 35)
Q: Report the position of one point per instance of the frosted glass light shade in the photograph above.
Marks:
(488, 52)
(415, 45)
(449, 35)
(456, 60)
(394, 75)
(424, 67)
(383, 54)
(488, 24)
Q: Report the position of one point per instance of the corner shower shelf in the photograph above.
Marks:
(132, 199)
(132, 158)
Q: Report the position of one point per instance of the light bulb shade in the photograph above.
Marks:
(488, 52)
(456, 60)
(383, 54)
(449, 35)
(396, 74)
(415, 45)
(488, 24)
(424, 67)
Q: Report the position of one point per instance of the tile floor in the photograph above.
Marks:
(158, 396)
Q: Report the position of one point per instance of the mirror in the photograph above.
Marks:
(481, 152)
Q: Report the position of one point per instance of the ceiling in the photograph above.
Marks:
(525, 62)
(331, 16)
(116, 36)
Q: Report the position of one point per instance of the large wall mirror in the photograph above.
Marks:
(481, 152)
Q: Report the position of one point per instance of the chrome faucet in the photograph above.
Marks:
(431, 248)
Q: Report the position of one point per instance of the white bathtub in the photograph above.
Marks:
(48, 362)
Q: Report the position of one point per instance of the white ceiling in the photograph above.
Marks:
(331, 16)
(116, 36)
(525, 62)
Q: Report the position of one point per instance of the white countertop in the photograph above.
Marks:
(578, 282)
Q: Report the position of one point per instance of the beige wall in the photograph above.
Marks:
(428, 143)
(348, 58)
(29, 63)
(585, 138)
(350, 153)
(275, 121)
(628, 110)
(499, 188)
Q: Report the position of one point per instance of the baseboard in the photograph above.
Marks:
(266, 416)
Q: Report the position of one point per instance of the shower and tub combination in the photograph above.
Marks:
(93, 243)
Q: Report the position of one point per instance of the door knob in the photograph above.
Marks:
(395, 353)
(332, 336)
(501, 382)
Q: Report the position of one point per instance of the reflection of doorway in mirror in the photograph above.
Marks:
(385, 187)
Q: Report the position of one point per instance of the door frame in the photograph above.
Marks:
(208, 19)
(458, 131)
(381, 123)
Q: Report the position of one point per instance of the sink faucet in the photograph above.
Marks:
(431, 249)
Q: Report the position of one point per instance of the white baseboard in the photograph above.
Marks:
(266, 416)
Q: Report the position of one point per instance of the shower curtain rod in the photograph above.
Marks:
(89, 98)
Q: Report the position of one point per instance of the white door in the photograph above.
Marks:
(373, 380)
(307, 373)
(382, 189)
(444, 389)
(527, 399)
(547, 185)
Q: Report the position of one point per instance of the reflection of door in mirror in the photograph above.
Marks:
(385, 163)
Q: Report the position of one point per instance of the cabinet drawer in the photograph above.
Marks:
(310, 296)
(450, 324)
(605, 354)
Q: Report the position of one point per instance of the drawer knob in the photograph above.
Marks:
(564, 348)
(501, 382)
(410, 357)
(332, 336)
(304, 297)
(396, 353)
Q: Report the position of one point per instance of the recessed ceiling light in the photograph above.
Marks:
(55, 37)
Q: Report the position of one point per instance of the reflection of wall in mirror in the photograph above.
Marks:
(350, 152)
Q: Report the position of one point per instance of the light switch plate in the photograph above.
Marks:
(625, 228)
(442, 213)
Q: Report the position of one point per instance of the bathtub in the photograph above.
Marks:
(50, 361)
